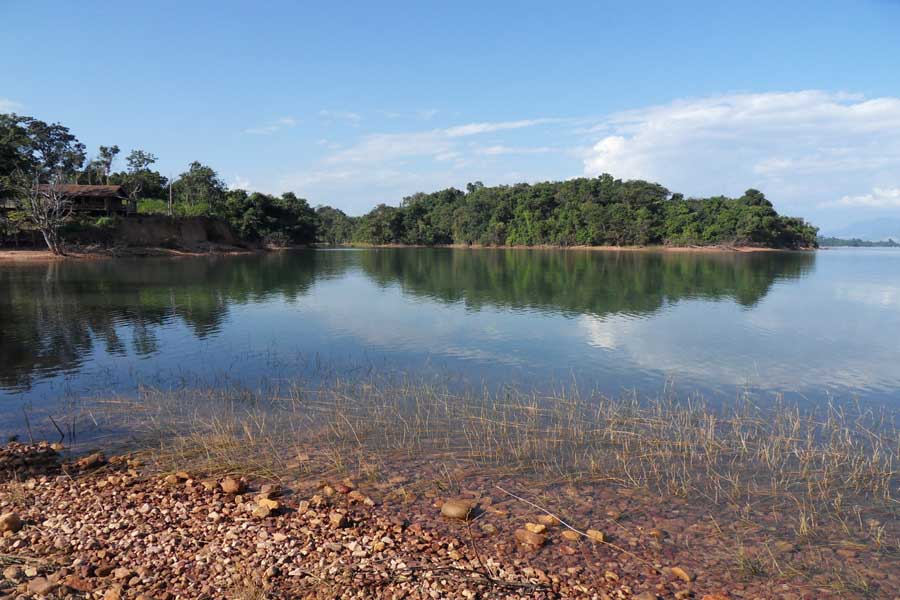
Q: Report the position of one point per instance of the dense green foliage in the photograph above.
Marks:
(601, 211)
(334, 226)
(857, 243)
(582, 212)
(263, 218)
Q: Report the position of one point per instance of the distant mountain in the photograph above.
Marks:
(874, 230)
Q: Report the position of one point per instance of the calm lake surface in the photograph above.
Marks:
(810, 325)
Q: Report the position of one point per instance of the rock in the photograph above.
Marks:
(103, 570)
(269, 503)
(658, 534)
(457, 509)
(611, 576)
(10, 522)
(91, 461)
(40, 586)
(681, 574)
(271, 572)
(262, 512)
(123, 573)
(547, 520)
(595, 535)
(269, 491)
(113, 593)
(338, 520)
(645, 596)
(230, 485)
(30, 571)
(570, 535)
(488, 529)
(529, 538)
(57, 447)
(357, 496)
(714, 597)
(536, 527)
(13, 573)
(279, 537)
(171, 479)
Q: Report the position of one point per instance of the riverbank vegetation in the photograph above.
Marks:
(601, 211)
(856, 243)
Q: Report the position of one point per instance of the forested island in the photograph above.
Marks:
(44, 168)
(836, 242)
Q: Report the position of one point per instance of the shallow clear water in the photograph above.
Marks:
(811, 325)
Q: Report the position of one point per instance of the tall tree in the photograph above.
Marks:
(37, 160)
(105, 160)
(200, 184)
(138, 162)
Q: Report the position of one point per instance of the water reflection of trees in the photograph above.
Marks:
(597, 283)
(53, 314)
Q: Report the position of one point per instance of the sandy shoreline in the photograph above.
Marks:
(25, 256)
(28, 256)
(675, 249)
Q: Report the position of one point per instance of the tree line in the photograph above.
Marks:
(35, 157)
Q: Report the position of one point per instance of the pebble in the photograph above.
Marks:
(529, 538)
(10, 522)
(231, 485)
(457, 509)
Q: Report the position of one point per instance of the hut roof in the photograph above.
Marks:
(90, 191)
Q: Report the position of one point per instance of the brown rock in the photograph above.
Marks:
(338, 520)
(536, 527)
(570, 535)
(40, 586)
(10, 522)
(457, 509)
(91, 461)
(547, 520)
(268, 503)
(262, 512)
(645, 596)
(13, 573)
(230, 485)
(529, 538)
(595, 535)
(681, 574)
(113, 593)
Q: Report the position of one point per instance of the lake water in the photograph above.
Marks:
(810, 325)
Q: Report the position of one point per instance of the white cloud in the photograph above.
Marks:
(478, 128)
(274, 126)
(426, 114)
(7, 105)
(340, 115)
(500, 149)
(879, 198)
(799, 147)
(436, 143)
(239, 183)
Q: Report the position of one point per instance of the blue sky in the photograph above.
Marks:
(355, 103)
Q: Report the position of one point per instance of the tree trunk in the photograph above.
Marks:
(52, 239)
